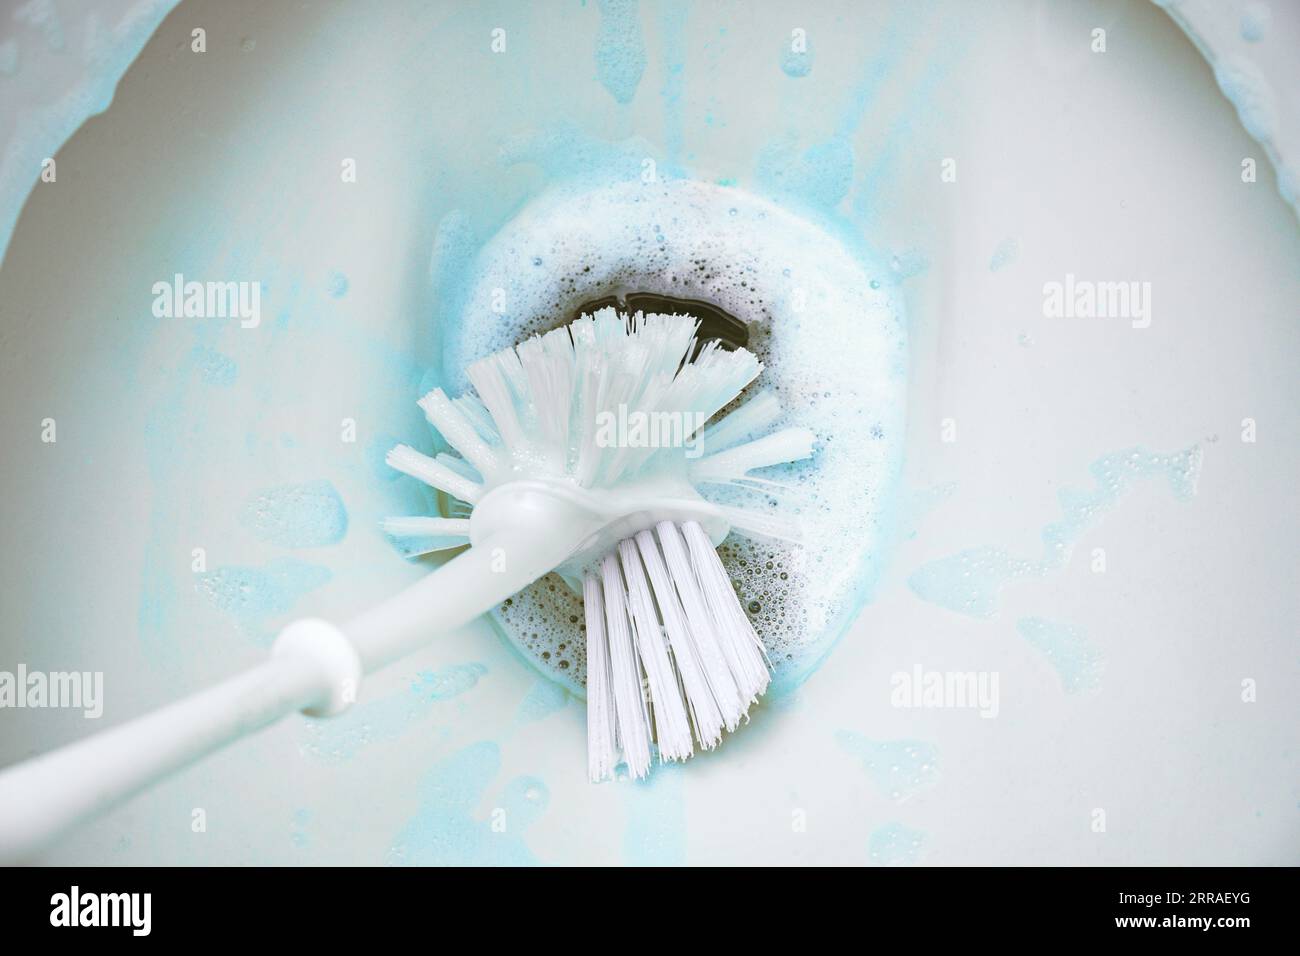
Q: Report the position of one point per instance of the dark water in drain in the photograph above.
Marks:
(715, 323)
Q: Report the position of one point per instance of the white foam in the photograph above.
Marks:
(827, 325)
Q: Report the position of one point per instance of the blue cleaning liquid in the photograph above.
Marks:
(1004, 254)
(797, 55)
(253, 596)
(216, 369)
(620, 49)
(336, 285)
(390, 717)
(971, 581)
(306, 515)
(447, 830)
(543, 699)
(895, 845)
(898, 768)
(299, 835)
(656, 821)
(1076, 660)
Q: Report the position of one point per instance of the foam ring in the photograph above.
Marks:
(828, 324)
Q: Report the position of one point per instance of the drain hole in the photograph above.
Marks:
(715, 323)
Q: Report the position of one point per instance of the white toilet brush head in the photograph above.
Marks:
(609, 415)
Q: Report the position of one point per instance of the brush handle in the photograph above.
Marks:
(314, 667)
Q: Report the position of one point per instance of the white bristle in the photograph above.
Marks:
(749, 523)
(433, 473)
(732, 706)
(714, 378)
(786, 445)
(672, 658)
(420, 535)
(713, 666)
(477, 414)
(490, 378)
(589, 386)
(548, 372)
(602, 750)
(672, 726)
(420, 525)
(625, 673)
(460, 466)
(740, 645)
(752, 416)
(459, 431)
(700, 701)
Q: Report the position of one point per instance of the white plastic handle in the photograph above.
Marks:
(314, 667)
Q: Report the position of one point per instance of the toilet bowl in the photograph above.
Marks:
(884, 197)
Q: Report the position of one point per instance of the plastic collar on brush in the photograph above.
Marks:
(672, 657)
